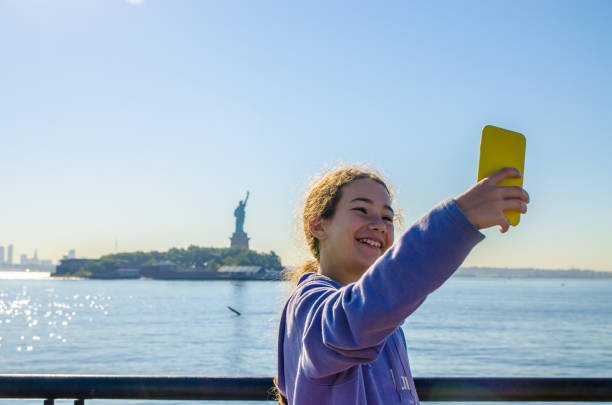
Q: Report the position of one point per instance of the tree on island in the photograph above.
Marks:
(193, 258)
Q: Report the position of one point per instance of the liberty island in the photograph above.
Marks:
(237, 262)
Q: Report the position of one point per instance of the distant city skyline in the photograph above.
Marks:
(33, 260)
(9, 255)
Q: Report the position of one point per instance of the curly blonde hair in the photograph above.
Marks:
(322, 200)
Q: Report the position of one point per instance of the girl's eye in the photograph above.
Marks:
(388, 219)
(360, 209)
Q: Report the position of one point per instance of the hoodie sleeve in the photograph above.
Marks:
(346, 326)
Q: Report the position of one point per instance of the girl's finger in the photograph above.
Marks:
(515, 192)
(514, 205)
(503, 174)
(504, 224)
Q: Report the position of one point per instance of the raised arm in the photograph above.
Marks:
(345, 326)
(348, 325)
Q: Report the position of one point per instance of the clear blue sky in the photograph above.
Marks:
(147, 121)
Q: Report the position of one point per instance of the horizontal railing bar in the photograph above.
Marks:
(460, 389)
(514, 389)
(134, 387)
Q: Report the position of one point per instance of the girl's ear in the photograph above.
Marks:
(315, 226)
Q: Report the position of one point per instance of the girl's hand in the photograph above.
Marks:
(485, 203)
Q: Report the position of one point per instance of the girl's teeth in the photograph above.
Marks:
(373, 244)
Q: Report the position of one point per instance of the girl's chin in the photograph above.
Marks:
(366, 262)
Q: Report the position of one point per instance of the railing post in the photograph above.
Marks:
(49, 401)
(79, 402)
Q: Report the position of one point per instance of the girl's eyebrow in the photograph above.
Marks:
(367, 200)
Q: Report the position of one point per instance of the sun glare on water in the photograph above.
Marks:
(24, 275)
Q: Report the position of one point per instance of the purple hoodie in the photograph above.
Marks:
(344, 345)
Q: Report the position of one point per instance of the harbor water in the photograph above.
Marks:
(476, 327)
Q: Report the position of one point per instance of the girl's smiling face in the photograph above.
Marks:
(358, 233)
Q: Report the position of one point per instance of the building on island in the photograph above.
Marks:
(240, 271)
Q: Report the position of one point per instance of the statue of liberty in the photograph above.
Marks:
(240, 214)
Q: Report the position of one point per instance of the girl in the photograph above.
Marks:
(340, 340)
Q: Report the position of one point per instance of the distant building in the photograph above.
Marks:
(23, 259)
(241, 271)
(125, 272)
(1, 254)
(71, 254)
(35, 257)
(9, 257)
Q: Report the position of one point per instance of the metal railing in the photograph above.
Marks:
(460, 389)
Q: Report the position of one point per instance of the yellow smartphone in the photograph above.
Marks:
(501, 148)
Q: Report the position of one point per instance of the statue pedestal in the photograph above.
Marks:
(240, 240)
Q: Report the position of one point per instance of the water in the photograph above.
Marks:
(470, 327)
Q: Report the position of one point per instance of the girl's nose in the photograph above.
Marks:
(377, 224)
